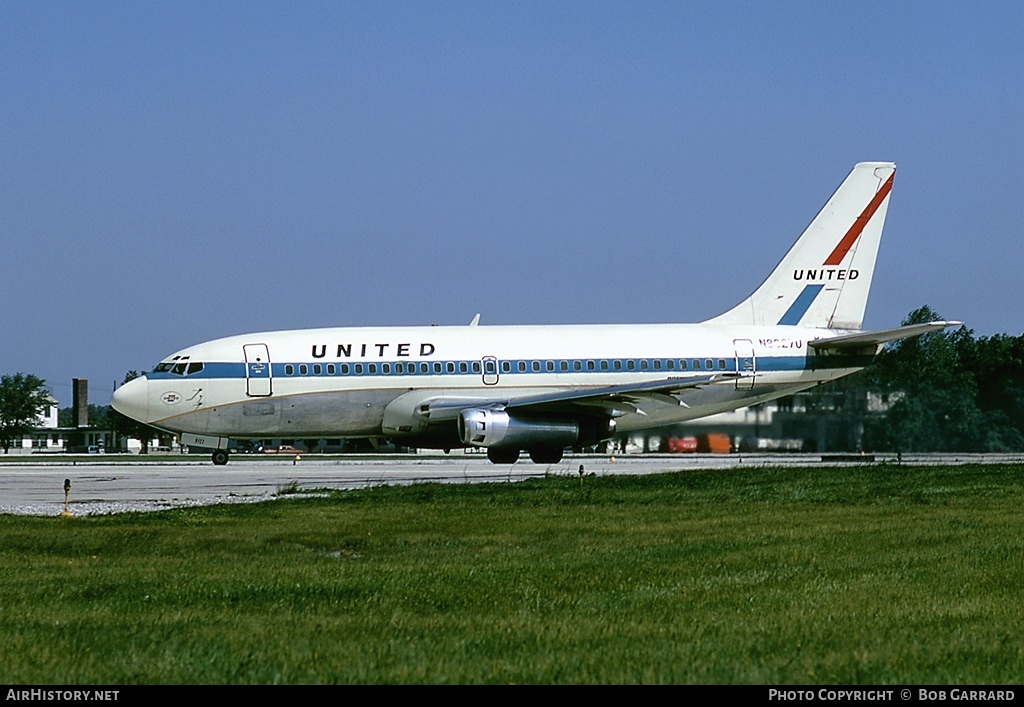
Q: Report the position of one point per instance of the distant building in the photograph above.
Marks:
(48, 418)
(81, 437)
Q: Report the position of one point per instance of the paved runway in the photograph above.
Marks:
(136, 484)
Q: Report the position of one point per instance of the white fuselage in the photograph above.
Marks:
(340, 382)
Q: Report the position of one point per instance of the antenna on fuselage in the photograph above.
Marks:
(476, 320)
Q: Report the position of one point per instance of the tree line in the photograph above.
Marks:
(953, 392)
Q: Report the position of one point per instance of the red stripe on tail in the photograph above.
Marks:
(858, 225)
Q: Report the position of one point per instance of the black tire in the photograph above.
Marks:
(503, 455)
(546, 455)
(220, 457)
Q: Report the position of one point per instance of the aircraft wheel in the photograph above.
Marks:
(546, 455)
(220, 457)
(502, 455)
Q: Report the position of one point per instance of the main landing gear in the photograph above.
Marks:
(538, 455)
(546, 455)
(502, 455)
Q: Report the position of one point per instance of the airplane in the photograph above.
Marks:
(541, 389)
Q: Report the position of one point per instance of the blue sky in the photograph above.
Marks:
(175, 172)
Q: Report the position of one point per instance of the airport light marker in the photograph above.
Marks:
(66, 513)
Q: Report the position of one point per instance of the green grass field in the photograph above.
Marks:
(878, 574)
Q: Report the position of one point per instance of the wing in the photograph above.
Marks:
(616, 400)
(427, 412)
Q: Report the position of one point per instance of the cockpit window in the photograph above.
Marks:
(179, 366)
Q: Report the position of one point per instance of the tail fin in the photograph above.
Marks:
(825, 277)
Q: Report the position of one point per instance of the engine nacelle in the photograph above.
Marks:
(479, 427)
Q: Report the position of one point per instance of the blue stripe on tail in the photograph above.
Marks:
(799, 308)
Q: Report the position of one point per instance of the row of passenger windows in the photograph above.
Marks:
(549, 366)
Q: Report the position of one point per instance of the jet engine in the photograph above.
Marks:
(480, 427)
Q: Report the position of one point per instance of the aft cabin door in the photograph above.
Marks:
(746, 364)
(257, 370)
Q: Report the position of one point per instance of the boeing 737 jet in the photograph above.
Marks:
(540, 388)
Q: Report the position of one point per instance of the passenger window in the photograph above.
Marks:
(359, 369)
(317, 370)
(551, 366)
(463, 367)
(386, 368)
(590, 365)
(696, 364)
(289, 369)
(303, 369)
(682, 364)
(437, 367)
(506, 367)
(721, 364)
(709, 364)
(618, 365)
(577, 366)
(657, 364)
(344, 369)
(630, 365)
(643, 364)
(536, 366)
(330, 369)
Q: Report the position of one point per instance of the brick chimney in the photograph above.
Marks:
(80, 405)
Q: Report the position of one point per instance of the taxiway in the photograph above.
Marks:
(135, 484)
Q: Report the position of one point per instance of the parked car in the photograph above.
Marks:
(281, 449)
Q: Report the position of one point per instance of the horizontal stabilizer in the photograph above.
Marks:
(875, 338)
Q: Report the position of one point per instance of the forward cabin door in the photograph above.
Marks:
(746, 363)
(257, 370)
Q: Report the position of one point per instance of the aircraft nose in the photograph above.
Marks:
(132, 399)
